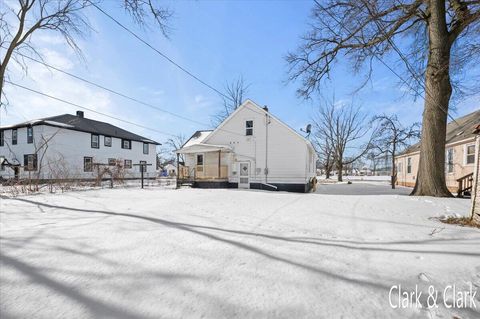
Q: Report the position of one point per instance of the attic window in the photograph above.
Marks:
(249, 128)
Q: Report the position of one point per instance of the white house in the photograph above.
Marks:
(72, 147)
(249, 149)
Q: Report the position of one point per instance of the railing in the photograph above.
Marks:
(465, 184)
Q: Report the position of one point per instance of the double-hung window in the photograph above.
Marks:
(88, 164)
(2, 137)
(112, 162)
(107, 141)
(143, 168)
(470, 154)
(14, 136)
(30, 162)
(95, 141)
(145, 148)
(29, 135)
(249, 128)
(128, 164)
(127, 144)
(450, 160)
(409, 165)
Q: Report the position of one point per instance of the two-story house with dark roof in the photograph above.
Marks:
(73, 147)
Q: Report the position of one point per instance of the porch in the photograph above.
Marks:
(204, 164)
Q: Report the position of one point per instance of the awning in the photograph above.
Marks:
(203, 148)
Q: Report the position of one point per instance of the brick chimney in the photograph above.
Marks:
(80, 114)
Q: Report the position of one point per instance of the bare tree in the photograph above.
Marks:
(323, 149)
(444, 38)
(341, 127)
(20, 21)
(391, 137)
(235, 92)
(176, 143)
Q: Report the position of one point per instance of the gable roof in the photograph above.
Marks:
(458, 130)
(262, 111)
(82, 124)
(197, 138)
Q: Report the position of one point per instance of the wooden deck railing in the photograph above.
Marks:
(465, 184)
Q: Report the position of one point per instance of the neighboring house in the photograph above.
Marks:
(72, 147)
(169, 170)
(460, 156)
(249, 149)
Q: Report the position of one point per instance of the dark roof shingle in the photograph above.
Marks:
(76, 123)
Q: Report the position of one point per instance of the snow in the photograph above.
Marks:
(58, 124)
(219, 253)
(197, 139)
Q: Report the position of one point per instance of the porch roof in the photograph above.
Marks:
(203, 148)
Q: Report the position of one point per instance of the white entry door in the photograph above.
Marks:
(244, 180)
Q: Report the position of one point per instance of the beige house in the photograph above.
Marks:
(460, 156)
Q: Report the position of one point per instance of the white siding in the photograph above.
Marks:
(69, 147)
(289, 159)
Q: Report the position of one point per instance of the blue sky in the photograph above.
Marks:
(216, 40)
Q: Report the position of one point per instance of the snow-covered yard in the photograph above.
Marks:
(221, 253)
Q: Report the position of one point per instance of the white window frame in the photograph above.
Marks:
(92, 142)
(465, 154)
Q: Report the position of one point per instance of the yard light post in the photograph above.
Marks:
(143, 167)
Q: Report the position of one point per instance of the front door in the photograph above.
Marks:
(244, 180)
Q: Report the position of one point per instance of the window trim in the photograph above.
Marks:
(129, 144)
(98, 141)
(91, 164)
(14, 140)
(143, 167)
(29, 137)
(26, 167)
(465, 158)
(249, 128)
(105, 141)
(449, 162)
(148, 148)
(203, 162)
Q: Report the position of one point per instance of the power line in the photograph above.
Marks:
(86, 108)
(407, 63)
(126, 96)
(385, 64)
(110, 90)
(159, 52)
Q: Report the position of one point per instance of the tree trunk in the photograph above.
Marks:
(431, 172)
(340, 171)
(393, 178)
